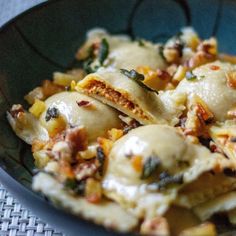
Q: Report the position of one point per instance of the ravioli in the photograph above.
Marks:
(210, 83)
(106, 213)
(125, 53)
(139, 138)
(222, 203)
(114, 88)
(174, 157)
(97, 118)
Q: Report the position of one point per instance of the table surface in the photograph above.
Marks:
(15, 219)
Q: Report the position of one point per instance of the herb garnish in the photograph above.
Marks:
(102, 55)
(150, 166)
(190, 76)
(137, 77)
(87, 66)
(51, 113)
(101, 159)
(140, 42)
(103, 51)
(166, 180)
(75, 186)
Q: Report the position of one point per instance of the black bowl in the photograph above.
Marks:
(44, 39)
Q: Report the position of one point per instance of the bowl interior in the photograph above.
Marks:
(45, 39)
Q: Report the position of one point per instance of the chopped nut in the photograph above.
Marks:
(231, 79)
(65, 170)
(41, 158)
(156, 226)
(49, 88)
(85, 170)
(16, 110)
(36, 93)
(62, 151)
(89, 153)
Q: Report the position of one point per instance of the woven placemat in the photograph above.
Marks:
(15, 220)
(18, 221)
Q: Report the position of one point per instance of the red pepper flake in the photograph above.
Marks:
(83, 103)
(214, 67)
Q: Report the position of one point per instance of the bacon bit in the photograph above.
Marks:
(16, 109)
(137, 163)
(85, 170)
(214, 67)
(84, 103)
(77, 138)
(231, 79)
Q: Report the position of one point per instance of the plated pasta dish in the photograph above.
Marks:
(141, 138)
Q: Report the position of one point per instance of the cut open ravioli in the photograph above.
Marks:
(96, 117)
(114, 88)
(107, 213)
(158, 162)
